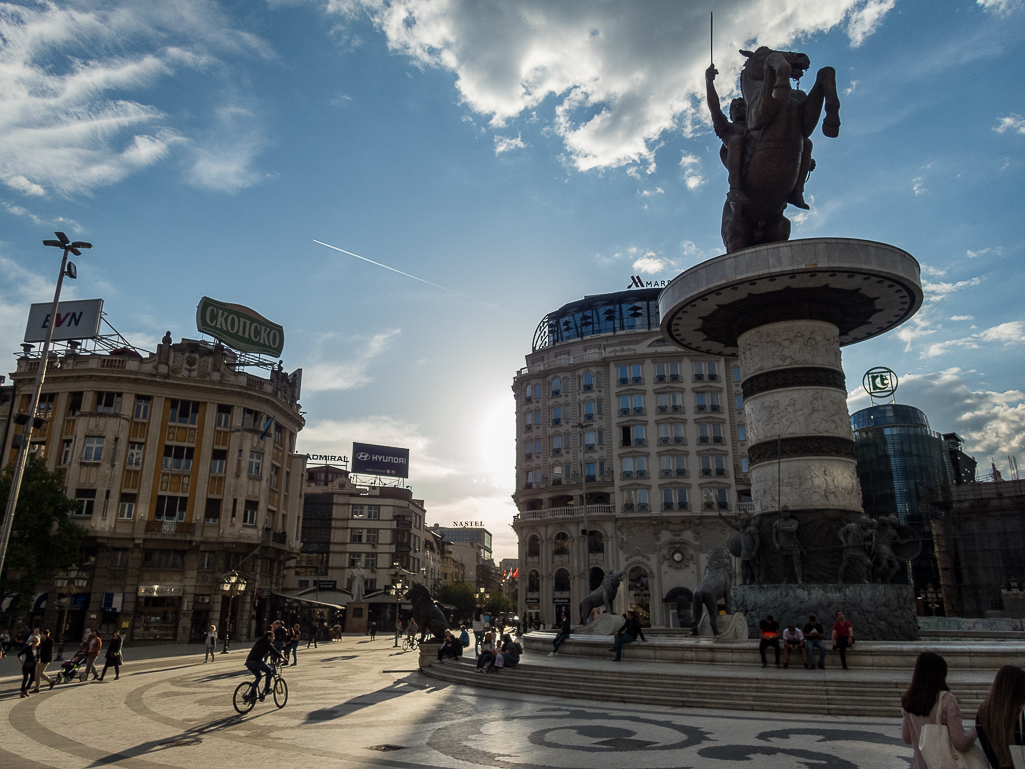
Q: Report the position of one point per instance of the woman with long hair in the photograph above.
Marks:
(999, 720)
(927, 698)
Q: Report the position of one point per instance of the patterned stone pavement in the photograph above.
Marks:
(357, 703)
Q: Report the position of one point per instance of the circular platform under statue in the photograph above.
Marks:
(877, 612)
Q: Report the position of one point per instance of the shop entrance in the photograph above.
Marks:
(156, 618)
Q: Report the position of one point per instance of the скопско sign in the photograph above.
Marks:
(239, 327)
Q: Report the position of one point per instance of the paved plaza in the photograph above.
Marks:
(357, 703)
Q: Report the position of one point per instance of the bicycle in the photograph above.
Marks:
(248, 692)
(409, 643)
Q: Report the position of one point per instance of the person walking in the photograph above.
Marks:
(813, 638)
(29, 661)
(45, 658)
(999, 722)
(768, 632)
(478, 630)
(295, 636)
(114, 658)
(929, 701)
(561, 636)
(627, 634)
(313, 636)
(373, 630)
(211, 642)
(92, 650)
(843, 636)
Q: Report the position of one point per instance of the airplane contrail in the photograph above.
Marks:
(414, 277)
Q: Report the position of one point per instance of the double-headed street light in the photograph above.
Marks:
(32, 421)
(68, 583)
(232, 585)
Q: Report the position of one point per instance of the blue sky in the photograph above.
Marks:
(522, 153)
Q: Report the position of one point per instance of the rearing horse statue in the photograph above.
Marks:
(766, 146)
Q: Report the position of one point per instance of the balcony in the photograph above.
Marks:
(588, 417)
(642, 473)
(624, 412)
(563, 512)
(556, 421)
(556, 481)
(638, 409)
(277, 537)
(588, 447)
(171, 528)
(677, 409)
(556, 393)
(556, 452)
(403, 522)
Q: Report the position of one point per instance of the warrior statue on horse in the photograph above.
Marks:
(766, 144)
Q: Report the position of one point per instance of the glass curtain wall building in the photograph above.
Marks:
(904, 469)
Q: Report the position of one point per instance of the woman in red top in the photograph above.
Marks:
(843, 636)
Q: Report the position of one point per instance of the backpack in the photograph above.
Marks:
(464, 639)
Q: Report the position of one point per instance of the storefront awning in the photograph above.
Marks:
(300, 599)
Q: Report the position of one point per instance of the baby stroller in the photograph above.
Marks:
(72, 668)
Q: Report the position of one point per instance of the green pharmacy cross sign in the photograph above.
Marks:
(239, 327)
(880, 382)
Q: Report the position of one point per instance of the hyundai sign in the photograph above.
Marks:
(380, 460)
(75, 320)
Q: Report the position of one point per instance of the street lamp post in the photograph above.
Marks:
(232, 585)
(396, 587)
(69, 269)
(68, 584)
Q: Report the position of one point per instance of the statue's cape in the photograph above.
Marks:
(735, 543)
(908, 544)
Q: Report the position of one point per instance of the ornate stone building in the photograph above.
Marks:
(184, 467)
(655, 435)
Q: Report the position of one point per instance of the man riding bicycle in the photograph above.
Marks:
(263, 647)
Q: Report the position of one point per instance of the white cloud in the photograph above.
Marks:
(962, 317)
(935, 272)
(1000, 6)
(71, 74)
(506, 143)
(223, 160)
(616, 80)
(346, 374)
(851, 88)
(983, 251)
(1012, 123)
(918, 185)
(650, 264)
(937, 291)
(691, 171)
(1010, 333)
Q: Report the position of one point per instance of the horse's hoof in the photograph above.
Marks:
(831, 128)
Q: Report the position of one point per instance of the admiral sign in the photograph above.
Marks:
(239, 327)
(380, 460)
(75, 320)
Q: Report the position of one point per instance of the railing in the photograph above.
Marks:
(565, 360)
(745, 507)
(175, 528)
(563, 512)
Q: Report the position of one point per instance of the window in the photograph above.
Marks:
(743, 464)
(670, 401)
(255, 464)
(372, 535)
(206, 560)
(218, 460)
(65, 458)
(638, 404)
(642, 499)
(561, 581)
(355, 560)
(588, 381)
(108, 403)
(212, 514)
(134, 458)
(638, 435)
(118, 559)
(275, 475)
(588, 411)
(142, 404)
(170, 508)
(178, 458)
(537, 391)
(710, 432)
(667, 372)
(625, 439)
(674, 465)
(561, 546)
(533, 546)
(86, 499)
(713, 402)
(674, 498)
(624, 404)
(557, 445)
(356, 536)
(304, 583)
(589, 441)
(93, 449)
(713, 464)
(670, 432)
(635, 373)
(556, 475)
(279, 435)
(163, 559)
(557, 415)
(701, 401)
(712, 371)
(374, 512)
(251, 418)
(223, 417)
(714, 499)
(736, 373)
(528, 394)
(529, 483)
(534, 582)
(249, 512)
(370, 560)
(74, 403)
(529, 419)
(624, 375)
(741, 433)
(126, 507)
(556, 386)
(184, 412)
(739, 400)
(628, 467)
(359, 511)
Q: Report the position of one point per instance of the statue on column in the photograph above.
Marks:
(744, 544)
(784, 537)
(856, 538)
(357, 583)
(766, 149)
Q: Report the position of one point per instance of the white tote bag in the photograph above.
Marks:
(935, 746)
(1018, 751)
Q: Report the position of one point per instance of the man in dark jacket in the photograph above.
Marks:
(263, 647)
(627, 634)
(45, 658)
(562, 635)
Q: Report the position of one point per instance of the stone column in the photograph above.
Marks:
(802, 447)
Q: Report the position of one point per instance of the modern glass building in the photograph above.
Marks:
(904, 468)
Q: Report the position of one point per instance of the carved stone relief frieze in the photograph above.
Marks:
(812, 483)
(798, 412)
(790, 343)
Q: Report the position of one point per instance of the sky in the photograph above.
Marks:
(517, 155)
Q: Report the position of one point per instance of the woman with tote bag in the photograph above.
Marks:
(932, 723)
(999, 722)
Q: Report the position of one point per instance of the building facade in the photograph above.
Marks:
(355, 532)
(476, 534)
(184, 467)
(639, 442)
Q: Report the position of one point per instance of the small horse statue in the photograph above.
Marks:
(715, 585)
(427, 615)
(603, 595)
(769, 136)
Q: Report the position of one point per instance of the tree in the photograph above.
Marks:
(44, 539)
(500, 603)
(458, 594)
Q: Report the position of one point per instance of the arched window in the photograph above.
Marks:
(588, 381)
(533, 546)
(561, 543)
(534, 582)
(596, 576)
(561, 582)
(556, 386)
(595, 541)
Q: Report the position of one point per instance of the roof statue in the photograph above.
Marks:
(766, 149)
